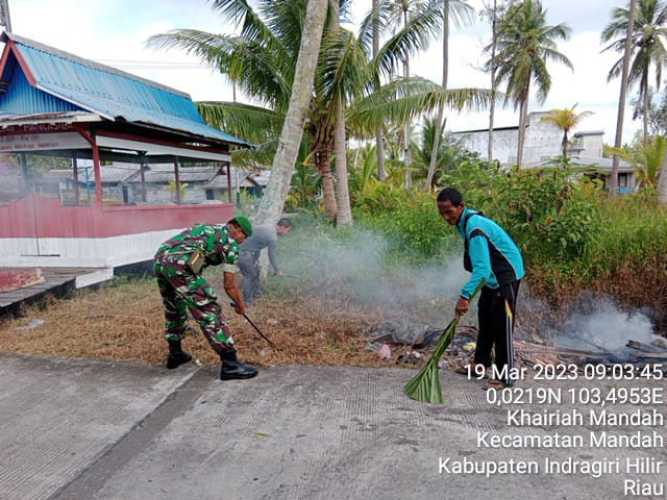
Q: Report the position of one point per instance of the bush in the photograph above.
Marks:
(408, 219)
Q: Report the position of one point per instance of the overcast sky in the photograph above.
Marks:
(115, 31)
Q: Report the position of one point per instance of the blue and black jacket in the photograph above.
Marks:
(490, 253)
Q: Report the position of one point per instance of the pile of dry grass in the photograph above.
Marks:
(125, 321)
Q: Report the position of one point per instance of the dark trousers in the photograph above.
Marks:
(496, 327)
(249, 266)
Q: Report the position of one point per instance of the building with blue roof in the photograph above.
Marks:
(56, 104)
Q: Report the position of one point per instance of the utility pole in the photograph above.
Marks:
(5, 20)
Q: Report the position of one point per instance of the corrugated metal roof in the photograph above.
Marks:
(164, 173)
(111, 174)
(246, 179)
(112, 93)
(22, 98)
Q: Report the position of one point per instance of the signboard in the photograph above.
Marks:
(41, 142)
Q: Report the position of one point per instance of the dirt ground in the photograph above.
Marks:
(124, 321)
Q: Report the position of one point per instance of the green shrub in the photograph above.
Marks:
(408, 219)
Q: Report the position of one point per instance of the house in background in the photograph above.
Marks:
(586, 150)
(57, 105)
(122, 184)
(543, 145)
(242, 181)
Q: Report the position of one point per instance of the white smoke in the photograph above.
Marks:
(361, 266)
(602, 325)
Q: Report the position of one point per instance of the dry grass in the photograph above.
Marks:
(124, 321)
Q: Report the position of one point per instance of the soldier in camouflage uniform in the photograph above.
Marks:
(179, 263)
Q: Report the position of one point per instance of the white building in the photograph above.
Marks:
(543, 145)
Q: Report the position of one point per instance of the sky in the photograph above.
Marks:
(114, 32)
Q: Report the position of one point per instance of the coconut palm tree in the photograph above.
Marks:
(647, 160)
(261, 59)
(625, 69)
(662, 182)
(459, 12)
(450, 152)
(648, 44)
(272, 203)
(524, 45)
(344, 208)
(379, 139)
(565, 119)
(493, 11)
(646, 157)
(399, 13)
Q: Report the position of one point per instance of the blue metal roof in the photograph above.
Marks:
(22, 98)
(112, 93)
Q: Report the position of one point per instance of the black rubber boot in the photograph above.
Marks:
(232, 368)
(176, 356)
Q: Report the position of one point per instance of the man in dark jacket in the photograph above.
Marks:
(496, 264)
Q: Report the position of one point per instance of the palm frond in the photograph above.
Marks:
(252, 123)
(240, 12)
(554, 55)
(286, 18)
(461, 13)
(257, 69)
(343, 68)
(405, 99)
(414, 37)
(209, 47)
(365, 34)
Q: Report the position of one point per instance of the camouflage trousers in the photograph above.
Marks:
(183, 291)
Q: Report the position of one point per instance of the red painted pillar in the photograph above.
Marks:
(98, 173)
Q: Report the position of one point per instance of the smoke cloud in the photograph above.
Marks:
(364, 268)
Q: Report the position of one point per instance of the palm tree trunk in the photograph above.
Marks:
(646, 106)
(273, 201)
(523, 118)
(565, 141)
(344, 211)
(379, 139)
(407, 156)
(662, 182)
(621, 100)
(492, 108)
(323, 164)
(439, 124)
(344, 214)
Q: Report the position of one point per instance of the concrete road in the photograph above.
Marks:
(89, 430)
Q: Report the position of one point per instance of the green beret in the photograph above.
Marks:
(244, 223)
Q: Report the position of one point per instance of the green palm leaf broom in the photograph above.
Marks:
(425, 386)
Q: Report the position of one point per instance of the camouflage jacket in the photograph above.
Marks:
(212, 242)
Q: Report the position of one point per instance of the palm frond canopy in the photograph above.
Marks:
(525, 44)
(423, 26)
(648, 41)
(260, 58)
(565, 119)
(405, 99)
